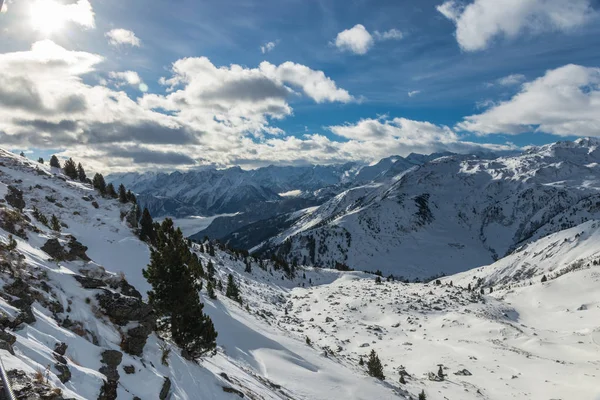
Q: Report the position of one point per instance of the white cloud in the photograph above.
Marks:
(413, 93)
(268, 47)
(356, 40)
(119, 37)
(392, 34)
(130, 78)
(481, 21)
(565, 101)
(511, 80)
(50, 15)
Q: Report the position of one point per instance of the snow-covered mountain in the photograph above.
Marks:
(218, 191)
(76, 325)
(449, 214)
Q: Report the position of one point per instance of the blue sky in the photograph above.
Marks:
(421, 69)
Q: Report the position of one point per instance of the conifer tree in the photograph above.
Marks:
(41, 160)
(544, 279)
(54, 162)
(99, 184)
(361, 362)
(233, 292)
(81, 173)
(210, 270)
(122, 194)
(211, 250)
(131, 197)
(147, 227)
(55, 223)
(422, 395)
(210, 288)
(70, 169)
(22, 154)
(110, 191)
(374, 367)
(174, 294)
(219, 285)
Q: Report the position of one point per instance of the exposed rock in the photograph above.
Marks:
(6, 342)
(76, 250)
(108, 391)
(232, 390)
(25, 388)
(64, 374)
(54, 249)
(166, 388)
(328, 319)
(111, 360)
(135, 339)
(129, 369)
(463, 372)
(582, 307)
(14, 197)
(95, 204)
(89, 283)
(87, 198)
(123, 309)
(126, 288)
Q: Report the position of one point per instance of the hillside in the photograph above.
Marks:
(464, 210)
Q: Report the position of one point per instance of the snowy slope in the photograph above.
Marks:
(465, 211)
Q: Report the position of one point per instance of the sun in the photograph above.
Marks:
(47, 16)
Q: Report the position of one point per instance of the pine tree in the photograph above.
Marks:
(41, 160)
(210, 270)
(308, 341)
(131, 197)
(99, 184)
(55, 223)
(374, 367)
(233, 292)
(422, 395)
(39, 216)
(81, 173)
(122, 194)
(402, 380)
(22, 154)
(544, 279)
(70, 169)
(211, 250)
(54, 162)
(440, 373)
(174, 294)
(248, 268)
(210, 289)
(110, 191)
(147, 227)
(361, 362)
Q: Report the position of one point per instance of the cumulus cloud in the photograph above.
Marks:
(565, 101)
(481, 21)
(381, 137)
(357, 40)
(122, 37)
(267, 47)
(221, 114)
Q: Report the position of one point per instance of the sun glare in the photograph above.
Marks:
(47, 16)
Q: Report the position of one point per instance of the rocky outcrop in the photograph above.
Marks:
(73, 251)
(6, 342)
(111, 360)
(24, 387)
(64, 373)
(166, 388)
(123, 310)
(14, 197)
(21, 299)
(54, 249)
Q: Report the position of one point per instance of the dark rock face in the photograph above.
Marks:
(64, 374)
(95, 204)
(166, 388)
(25, 388)
(126, 289)
(227, 389)
(6, 342)
(125, 309)
(111, 360)
(75, 251)
(20, 289)
(89, 283)
(129, 369)
(15, 197)
(54, 249)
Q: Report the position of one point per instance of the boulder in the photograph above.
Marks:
(54, 249)
(14, 197)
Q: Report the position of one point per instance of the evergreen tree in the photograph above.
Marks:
(81, 173)
(54, 162)
(544, 279)
(361, 362)
(219, 285)
(308, 341)
(174, 294)
(131, 197)
(233, 292)
(210, 270)
(99, 184)
(122, 194)
(211, 250)
(39, 216)
(422, 395)
(374, 367)
(22, 154)
(440, 373)
(402, 380)
(110, 191)
(41, 160)
(147, 227)
(210, 288)
(70, 169)
(248, 268)
(55, 223)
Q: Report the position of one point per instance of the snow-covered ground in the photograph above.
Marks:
(527, 339)
(195, 223)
